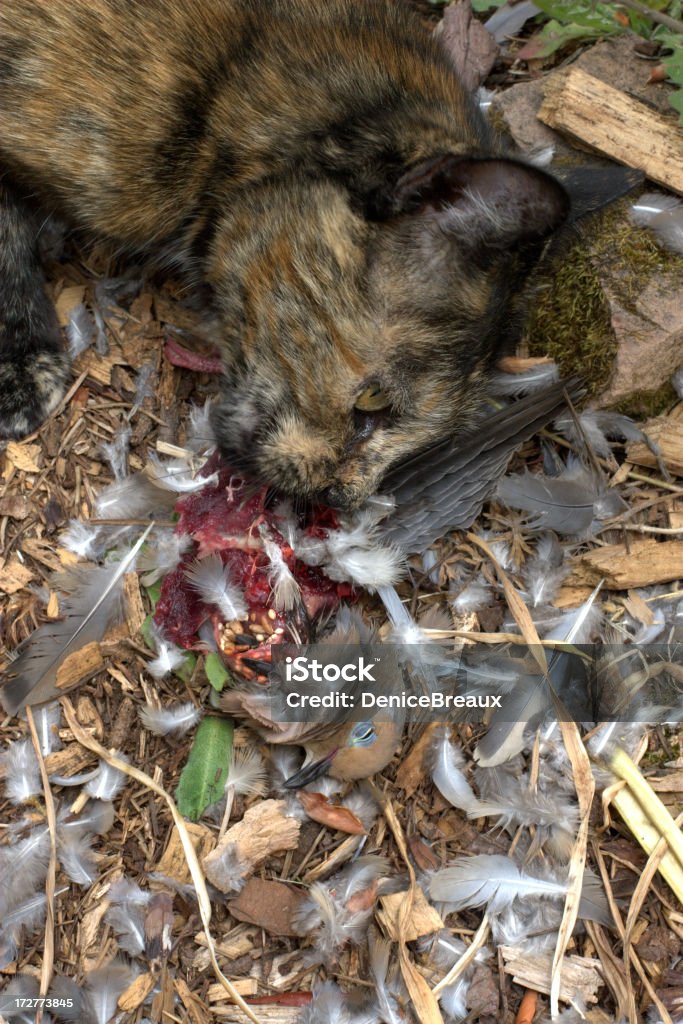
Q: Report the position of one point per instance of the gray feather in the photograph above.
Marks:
(445, 487)
(91, 607)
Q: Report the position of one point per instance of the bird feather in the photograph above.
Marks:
(170, 721)
(21, 771)
(490, 879)
(445, 487)
(93, 604)
(663, 215)
(211, 579)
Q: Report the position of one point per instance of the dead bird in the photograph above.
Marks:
(346, 750)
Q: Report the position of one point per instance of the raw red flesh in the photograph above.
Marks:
(222, 519)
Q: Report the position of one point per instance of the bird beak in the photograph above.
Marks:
(310, 772)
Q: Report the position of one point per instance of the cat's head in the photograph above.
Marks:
(353, 343)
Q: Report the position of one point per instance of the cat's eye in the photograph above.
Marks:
(373, 398)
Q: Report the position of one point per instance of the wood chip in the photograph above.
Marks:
(644, 562)
(24, 457)
(667, 433)
(52, 610)
(67, 301)
(264, 829)
(245, 987)
(79, 666)
(15, 506)
(173, 862)
(137, 992)
(132, 599)
(580, 975)
(197, 1010)
(70, 760)
(615, 125)
(98, 367)
(15, 576)
(266, 1014)
(235, 945)
(423, 919)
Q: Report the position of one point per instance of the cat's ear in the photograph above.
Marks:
(485, 203)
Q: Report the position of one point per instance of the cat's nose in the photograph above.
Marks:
(339, 498)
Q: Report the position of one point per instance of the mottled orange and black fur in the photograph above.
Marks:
(320, 166)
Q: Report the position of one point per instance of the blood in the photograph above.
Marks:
(226, 518)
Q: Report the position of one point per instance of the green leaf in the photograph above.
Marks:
(552, 37)
(676, 101)
(216, 672)
(673, 62)
(154, 592)
(203, 778)
(598, 18)
(186, 667)
(146, 631)
(486, 5)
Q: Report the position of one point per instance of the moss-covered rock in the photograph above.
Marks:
(606, 270)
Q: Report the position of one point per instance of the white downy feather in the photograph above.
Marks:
(47, 718)
(286, 593)
(23, 867)
(211, 579)
(132, 498)
(108, 782)
(327, 1006)
(247, 772)
(143, 387)
(162, 555)
(176, 475)
(545, 571)
(81, 538)
(77, 859)
(129, 925)
(372, 568)
(169, 657)
(473, 597)
(79, 330)
(448, 776)
(97, 817)
(170, 721)
(512, 385)
(116, 452)
(200, 436)
(21, 770)
(103, 989)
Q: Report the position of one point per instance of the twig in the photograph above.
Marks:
(478, 940)
(47, 965)
(641, 528)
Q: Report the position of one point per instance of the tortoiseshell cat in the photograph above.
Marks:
(320, 166)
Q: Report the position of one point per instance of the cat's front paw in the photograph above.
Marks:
(31, 387)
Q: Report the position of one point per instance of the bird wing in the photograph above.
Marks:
(445, 487)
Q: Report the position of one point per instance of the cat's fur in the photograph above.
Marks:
(318, 163)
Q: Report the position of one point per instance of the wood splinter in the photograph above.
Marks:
(615, 125)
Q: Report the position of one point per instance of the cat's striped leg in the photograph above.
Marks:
(33, 366)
